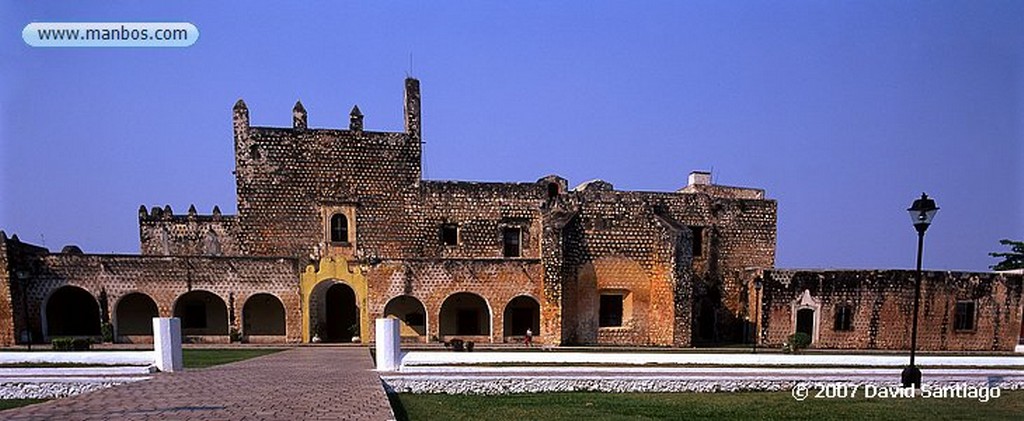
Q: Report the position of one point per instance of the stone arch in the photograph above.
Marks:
(134, 313)
(806, 315)
(71, 311)
(201, 313)
(411, 312)
(334, 311)
(521, 313)
(465, 313)
(263, 314)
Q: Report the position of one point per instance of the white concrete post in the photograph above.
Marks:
(167, 343)
(389, 350)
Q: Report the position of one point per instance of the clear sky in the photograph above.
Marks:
(843, 111)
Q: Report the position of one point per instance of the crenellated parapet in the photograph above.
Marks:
(163, 233)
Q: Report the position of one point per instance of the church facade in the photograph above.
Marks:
(337, 227)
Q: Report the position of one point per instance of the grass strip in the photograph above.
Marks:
(718, 406)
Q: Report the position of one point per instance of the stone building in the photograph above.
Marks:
(338, 227)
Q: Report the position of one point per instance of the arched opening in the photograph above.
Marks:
(134, 315)
(263, 314)
(411, 312)
(465, 313)
(72, 311)
(522, 313)
(805, 321)
(552, 190)
(339, 228)
(201, 313)
(334, 314)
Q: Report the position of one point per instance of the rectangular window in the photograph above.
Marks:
(610, 312)
(698, 241)
(450, 234)
(512, 239)
(844, 319)
(964, 319)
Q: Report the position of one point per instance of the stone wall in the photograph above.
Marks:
(162, 233)
(163, 279)
(7, 330)
(881, 304)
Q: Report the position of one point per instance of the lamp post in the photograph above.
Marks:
(921, 213)
(757, 311)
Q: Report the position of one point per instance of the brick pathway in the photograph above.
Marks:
(300, 383)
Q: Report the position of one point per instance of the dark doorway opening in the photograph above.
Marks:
(342, 314)
(522, 313)
(72, 311)
(805, 321)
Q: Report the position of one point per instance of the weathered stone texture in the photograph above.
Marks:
(882, 304)
(162, 233)
(163, 279)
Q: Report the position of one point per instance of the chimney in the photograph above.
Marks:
(699, 177)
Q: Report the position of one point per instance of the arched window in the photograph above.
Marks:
(552, 190)
(339, 228)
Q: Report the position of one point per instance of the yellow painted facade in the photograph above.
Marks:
(335, 269)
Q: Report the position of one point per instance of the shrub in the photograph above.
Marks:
(107, 331)
(796, 342)
(235, 335)
(469, 346)
(71, 344)
(457, 345)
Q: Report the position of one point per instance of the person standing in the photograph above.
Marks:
(528, 340)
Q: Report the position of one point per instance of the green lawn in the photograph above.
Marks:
(14, 403)
(202, 358)
(718, 406)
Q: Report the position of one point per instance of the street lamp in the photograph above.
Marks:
(757, 311)
(921, 213)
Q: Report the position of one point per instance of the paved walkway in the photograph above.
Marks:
(300, 383)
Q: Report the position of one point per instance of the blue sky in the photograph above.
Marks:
(843, 111)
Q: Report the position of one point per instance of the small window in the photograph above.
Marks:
(194, 316)
(698, 241)
(512, 238)
(339, 228)
(450, 234)
(844, 319)
(964, 319)
(610, 312)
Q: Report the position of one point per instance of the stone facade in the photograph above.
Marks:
(336, 227)
(866, 309)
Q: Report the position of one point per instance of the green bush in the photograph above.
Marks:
(796, 342)
(107, 331)
(71, 344)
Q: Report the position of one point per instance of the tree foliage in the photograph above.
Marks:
(1014, 259)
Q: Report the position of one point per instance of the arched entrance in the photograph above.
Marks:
(465, 313)
(72, 311)
(263, 314)
(522, 313)
(134, 315)
(201, 313)
(334, 314)
(411, 312)
(805, 321)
